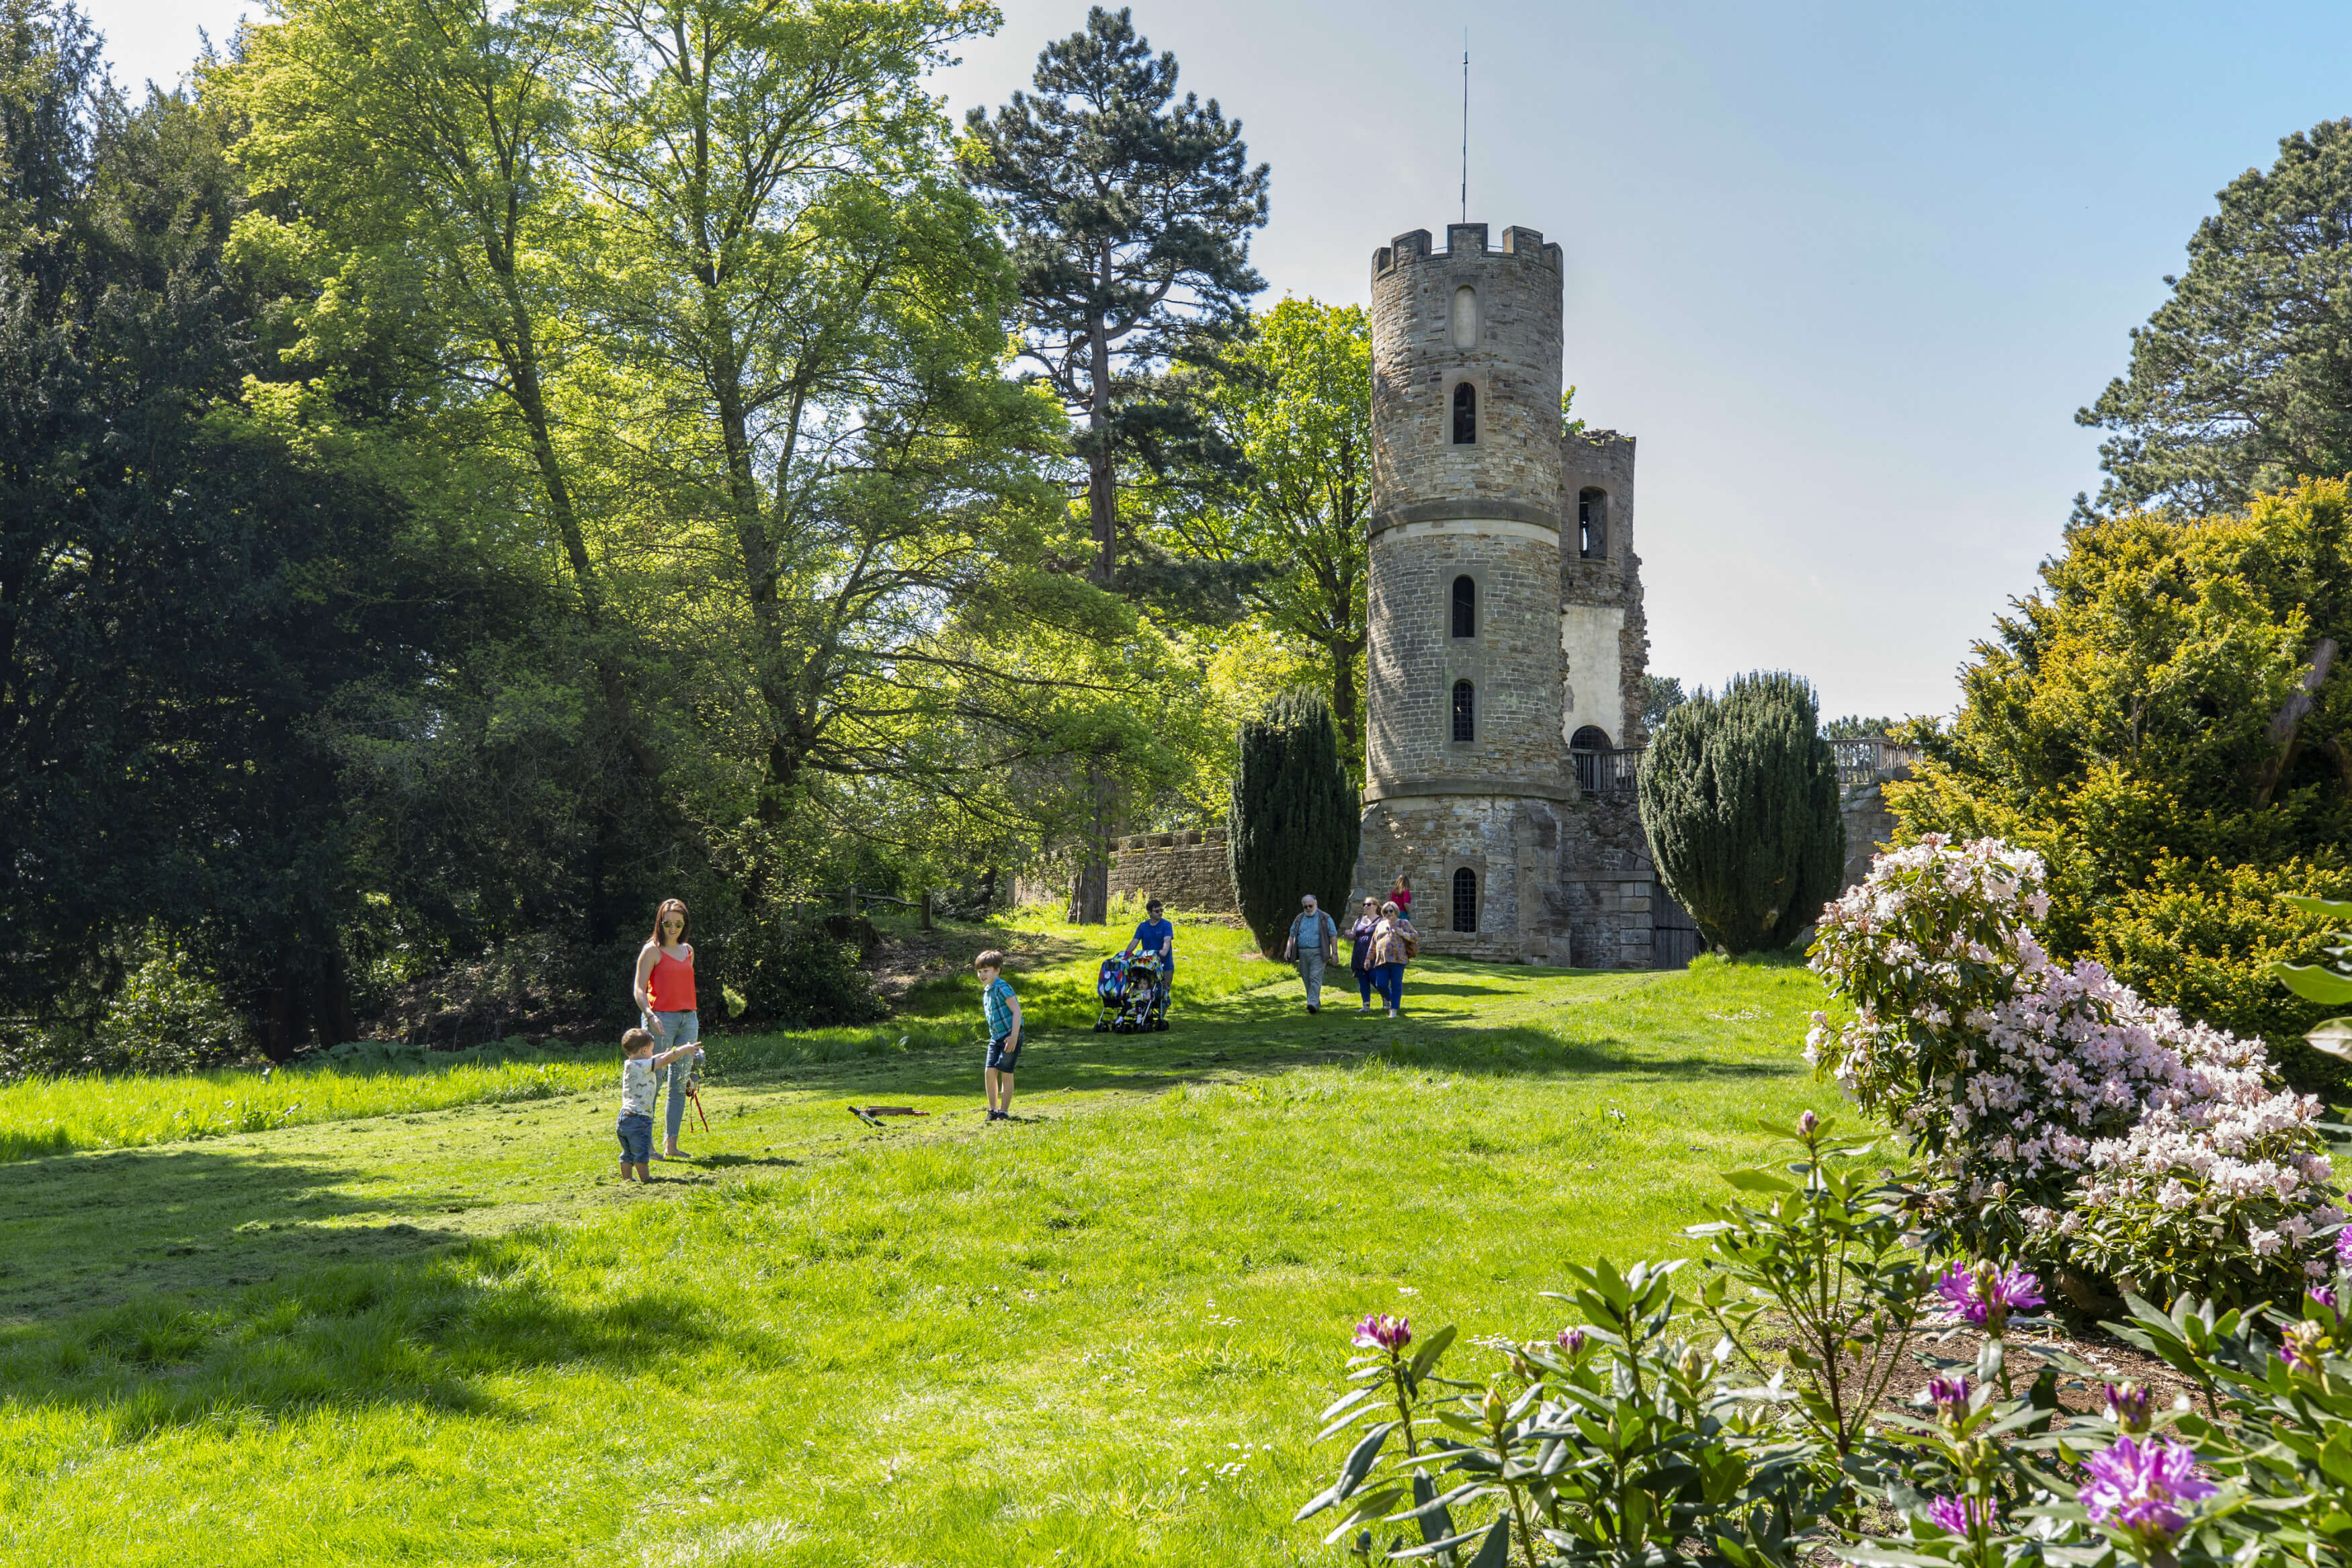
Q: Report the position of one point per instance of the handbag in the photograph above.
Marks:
(1411, 941)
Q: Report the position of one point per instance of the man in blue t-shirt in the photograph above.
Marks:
(1156, 938)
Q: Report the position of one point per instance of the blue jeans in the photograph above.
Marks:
(1389, 980)
(1364, 984)
(670, 1031)
(636, 1139)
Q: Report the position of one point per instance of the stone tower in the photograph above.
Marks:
(1507, 638)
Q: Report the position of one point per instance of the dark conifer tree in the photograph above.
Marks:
(1739, 797)
(1295, 824)
(1129, 215)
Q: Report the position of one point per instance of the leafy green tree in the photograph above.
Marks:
(1661, 695)
(1294, 825)
(2241, 381)
(189, 599)
(1131, 223)
(2164, 722)
(1739, 797)
(1131, 216)
(1297, 405)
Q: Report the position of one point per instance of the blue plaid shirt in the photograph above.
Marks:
(997, 1002)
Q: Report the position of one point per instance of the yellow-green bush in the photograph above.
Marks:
(2164, 720)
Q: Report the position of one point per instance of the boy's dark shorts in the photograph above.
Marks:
(1001, 1056)
(636, 1139)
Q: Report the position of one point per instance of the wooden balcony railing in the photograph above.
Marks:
(1607, 772)
(1871, 759)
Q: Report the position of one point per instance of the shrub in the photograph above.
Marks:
(1618, 1441)
(1295, 823)
(2063, 1120)
(2167, 723)
(1739, 798)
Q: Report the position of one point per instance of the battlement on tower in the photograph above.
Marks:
(1465, 239)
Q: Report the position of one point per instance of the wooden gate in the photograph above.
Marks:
(1674, 940)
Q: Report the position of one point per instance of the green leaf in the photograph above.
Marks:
(1351, 1473)
(1430, 1349)
(2335, 909)
(1495, 1552)
(2334, 1036)
(2314, 982)
(1758, 1181)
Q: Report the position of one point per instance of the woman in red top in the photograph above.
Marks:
(665, 993)
(1402, 893)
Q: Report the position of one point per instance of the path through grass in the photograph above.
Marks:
(1095, 1336)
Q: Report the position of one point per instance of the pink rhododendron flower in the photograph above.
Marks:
(1382, 1332)
(1985, 1296)
(1961, 1515)
(2145, 1488)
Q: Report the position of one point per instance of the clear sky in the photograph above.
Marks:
(1846, 269)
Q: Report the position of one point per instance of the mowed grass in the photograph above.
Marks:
(45, 1115)
(1098, 1335)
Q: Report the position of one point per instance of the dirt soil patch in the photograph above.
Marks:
(902, 959)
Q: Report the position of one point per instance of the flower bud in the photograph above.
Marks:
(1494, 1406)
(1572, 1340)
(1806, 1123)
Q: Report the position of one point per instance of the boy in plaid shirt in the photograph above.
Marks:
(1003, 1010)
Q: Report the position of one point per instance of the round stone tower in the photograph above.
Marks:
(1467, 775)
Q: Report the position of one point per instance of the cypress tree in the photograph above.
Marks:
(1294, 825)
(1739, 798)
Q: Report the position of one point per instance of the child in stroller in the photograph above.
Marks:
(1128, 987)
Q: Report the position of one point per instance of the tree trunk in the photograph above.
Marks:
(1091, 897)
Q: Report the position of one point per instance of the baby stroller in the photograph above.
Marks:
(1129, 987)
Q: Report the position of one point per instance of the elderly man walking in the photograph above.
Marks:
(1314, 942)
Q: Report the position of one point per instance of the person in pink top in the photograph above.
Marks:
(1402, 894)
(665, 993)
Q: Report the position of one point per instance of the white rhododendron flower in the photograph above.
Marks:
(2115, 1125)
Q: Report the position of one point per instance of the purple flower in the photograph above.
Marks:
(2144, 1489)
(1806, 1123)
(2323, 1295)
(1382, 1332)
(1572, 1340)
(1985, 1295)
(2300, 1346)
(1949, 1395)
(1961, 1515)
(2344, 1247)
(2127, 1406)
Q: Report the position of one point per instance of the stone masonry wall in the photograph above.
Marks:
(1510, 354)
(1868, 824)
(1603, 460)
(1190, 872)
(1511, 661)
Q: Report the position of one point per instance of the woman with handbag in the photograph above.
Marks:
(1359, 950)
(1394, 944)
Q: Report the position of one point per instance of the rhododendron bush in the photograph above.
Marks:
(2063, 1120)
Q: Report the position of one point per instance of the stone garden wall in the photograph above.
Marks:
(1188, 871)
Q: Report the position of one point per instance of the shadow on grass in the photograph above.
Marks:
(426, 1331)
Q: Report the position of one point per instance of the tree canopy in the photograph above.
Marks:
(2241, 381)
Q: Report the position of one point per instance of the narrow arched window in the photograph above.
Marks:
(1466, 900)
(1465, 712)
(1465, 607)
(1465, 318)
(1466, 415)
(1592, 737)
(1592, 524)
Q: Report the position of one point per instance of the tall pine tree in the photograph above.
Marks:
(1129, 215)
(1295, 824)
(1739, 797)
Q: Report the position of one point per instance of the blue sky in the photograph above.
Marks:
(1845, 269)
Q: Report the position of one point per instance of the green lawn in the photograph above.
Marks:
(1098, 1335)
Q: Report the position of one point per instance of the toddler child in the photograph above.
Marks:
(636, 1127)
(1003, 1012)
